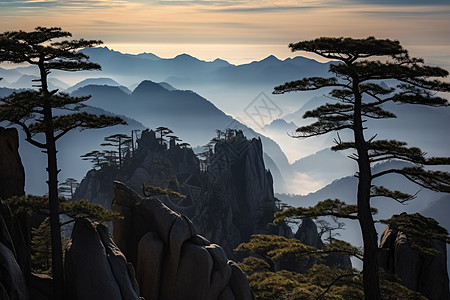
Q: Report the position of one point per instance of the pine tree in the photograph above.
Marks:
(117, 141)
(362, 65)
(163, 131)
(95, 157)
(32, 110)
(68, 187)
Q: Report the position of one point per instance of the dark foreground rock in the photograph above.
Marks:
(12, 174)
(419, 272)
(14, 242)
(95, 267)
(172, 261)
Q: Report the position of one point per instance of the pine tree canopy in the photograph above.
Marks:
(31, 204)
(27, 108)
(36, 47)
(329, 207)
(150, 190)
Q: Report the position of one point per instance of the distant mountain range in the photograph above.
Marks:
(228, 95)
(189, 115)
(428, 203)
(230, 87)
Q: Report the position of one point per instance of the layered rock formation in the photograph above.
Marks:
(95, 268)
(172, 261)
(426, 274)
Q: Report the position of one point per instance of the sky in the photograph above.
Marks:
(239, 31)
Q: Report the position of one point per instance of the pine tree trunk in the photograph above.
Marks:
(370, 264)
(52, 170)
(55, 230)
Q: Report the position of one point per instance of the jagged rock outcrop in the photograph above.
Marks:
(228, 197)
(426, 274)
(152, 164)
(307, 234)
(95, 267)
(241, 200)
(172, 261)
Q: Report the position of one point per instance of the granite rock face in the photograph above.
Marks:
(172, 261)
(241, 200)
(418, 272)
(95, 267)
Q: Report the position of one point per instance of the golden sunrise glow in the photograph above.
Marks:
(236, 30)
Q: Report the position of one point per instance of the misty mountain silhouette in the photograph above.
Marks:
(345, 189)
(97, 81)
(420, 126)
(150, 66)
(190, 116)
(26, 82)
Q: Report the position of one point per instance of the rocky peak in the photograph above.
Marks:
(228, 200)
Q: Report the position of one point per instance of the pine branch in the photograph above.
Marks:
(437, 181)
(381, 191)
(150, 191)
(337, 279)
(335, 208)
(307, 84)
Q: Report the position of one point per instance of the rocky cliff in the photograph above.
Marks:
(152, 164)
(417, 271)
(229, 196)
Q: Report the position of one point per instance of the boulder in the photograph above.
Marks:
(95, 268)
(419, 272)
(171, 260)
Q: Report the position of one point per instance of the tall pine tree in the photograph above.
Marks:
(362, 65)
(32, 110)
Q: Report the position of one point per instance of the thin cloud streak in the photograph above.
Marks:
(400, 2)
(262, 9)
